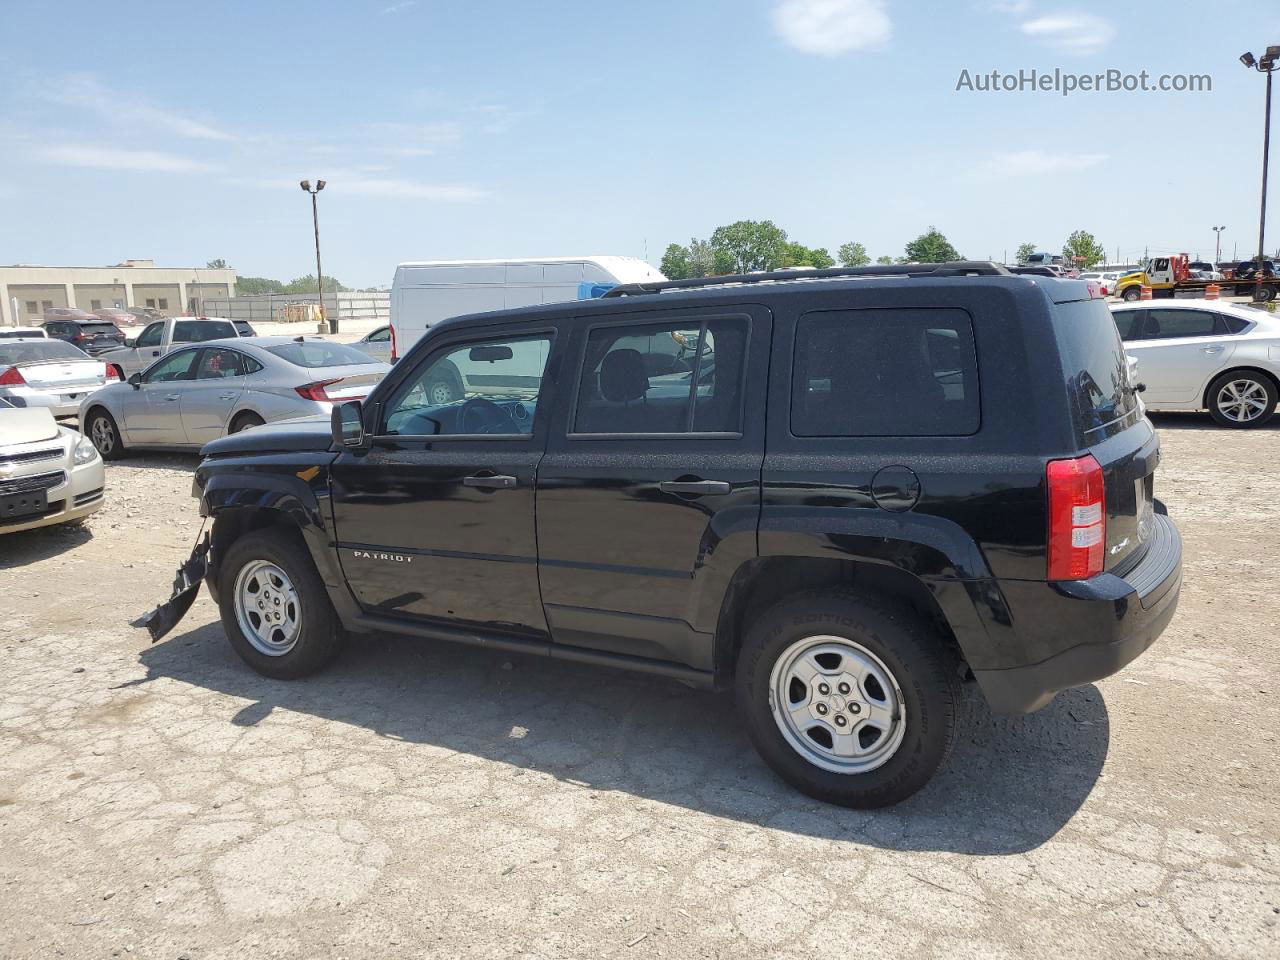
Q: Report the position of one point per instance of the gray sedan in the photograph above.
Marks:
(198, 393)
(39, 371)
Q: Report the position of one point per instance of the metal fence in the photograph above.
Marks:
(273, 308)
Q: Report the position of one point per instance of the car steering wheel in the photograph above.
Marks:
(488, 414)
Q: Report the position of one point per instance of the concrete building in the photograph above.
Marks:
(134, 283)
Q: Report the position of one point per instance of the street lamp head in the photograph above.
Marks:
(1247, 59)
(319, 185)
(305, 185)
(1269, 58)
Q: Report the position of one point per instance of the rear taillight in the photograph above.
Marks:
(79, 338)
(394, 356)
(111, 373)
(1077, 518)
(315, 391)
(12, 378)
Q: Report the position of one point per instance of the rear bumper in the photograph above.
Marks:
(59, 404)
(1094, 627)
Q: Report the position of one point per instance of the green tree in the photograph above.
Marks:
(675, 262)
(307, 284)
(1025, 250)
(853, 254)
(702, 258)
(749, 245)
(1084, 245)
(249, 286)
(218, 264)
(798, 255)
(931, 247)
(884, 261)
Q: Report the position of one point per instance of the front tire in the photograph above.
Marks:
(1131, 294)
(274, 607)
(1242, 399)
(105, 435)
(851, 700)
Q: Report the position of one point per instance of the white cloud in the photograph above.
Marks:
(110, 158)
(832, 27)
(85, 91)
(408, 189)
(1025, 163)
(1071, 31)
(397, 7)
(1015, 7)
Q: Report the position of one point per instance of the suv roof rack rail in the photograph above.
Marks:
(959, 268)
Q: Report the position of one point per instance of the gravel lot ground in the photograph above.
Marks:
(163, 801)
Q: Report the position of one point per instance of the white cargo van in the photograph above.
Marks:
(427, 292)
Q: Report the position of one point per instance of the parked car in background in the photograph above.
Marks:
(195, 394)
(116, 315)
(39, 372)
(1101, 279)
(1198, 355)
(1204, 270)
(160, 336)
(91, 334)
(244, 328)
(376, 344)
(24, 333)
(48, 474)
(67, 313)
(146, 314)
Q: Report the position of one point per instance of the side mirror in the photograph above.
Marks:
(129, 342)
(135, 381)
(347, 424)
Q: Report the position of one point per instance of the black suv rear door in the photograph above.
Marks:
(649, 493)
(435, 520)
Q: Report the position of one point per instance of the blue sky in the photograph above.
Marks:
(448, 130)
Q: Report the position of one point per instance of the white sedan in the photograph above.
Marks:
(1205, 355)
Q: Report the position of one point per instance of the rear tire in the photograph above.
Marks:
(104, 434)
(244, 421)
(1266, 294)
(274, 607)
(876, 666)
(1242, 399)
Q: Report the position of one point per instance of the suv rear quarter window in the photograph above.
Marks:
(882, 373)
(1094, 365)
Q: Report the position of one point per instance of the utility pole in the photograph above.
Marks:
(1265, 65)
(315, 221)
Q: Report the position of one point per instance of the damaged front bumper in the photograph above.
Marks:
(186, 585)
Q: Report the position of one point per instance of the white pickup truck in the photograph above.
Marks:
(158, 338)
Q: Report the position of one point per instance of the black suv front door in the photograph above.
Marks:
(435, 520)
(649, 493)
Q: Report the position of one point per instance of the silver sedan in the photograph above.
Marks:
(43, 372)
(198, 393)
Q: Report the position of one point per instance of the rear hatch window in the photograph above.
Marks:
(1109, 423)
(103, 329)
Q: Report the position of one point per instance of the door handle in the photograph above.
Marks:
(1217, 348)
(489, 483)
(174, 396)
(227, 396)
(155, 353)
(695, 488)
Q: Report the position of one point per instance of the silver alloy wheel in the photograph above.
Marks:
(837, 704)
(1242, 400)
(102, 434)
(267, 608)
(439, 393)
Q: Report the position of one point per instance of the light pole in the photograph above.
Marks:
(1217, 245)
(1266, 65)
(315, 220)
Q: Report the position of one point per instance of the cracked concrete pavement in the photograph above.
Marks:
(164, 801)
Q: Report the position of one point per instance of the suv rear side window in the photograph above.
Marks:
(885, 373)
(669, 378)
(1094, 364)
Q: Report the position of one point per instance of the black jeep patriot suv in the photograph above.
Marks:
(838, 492)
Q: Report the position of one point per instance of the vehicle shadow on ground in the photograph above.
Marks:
(169, 462)
(43, 543)
(1010, 785)
(1189, 420)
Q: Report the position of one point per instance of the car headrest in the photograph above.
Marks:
(622, 376)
